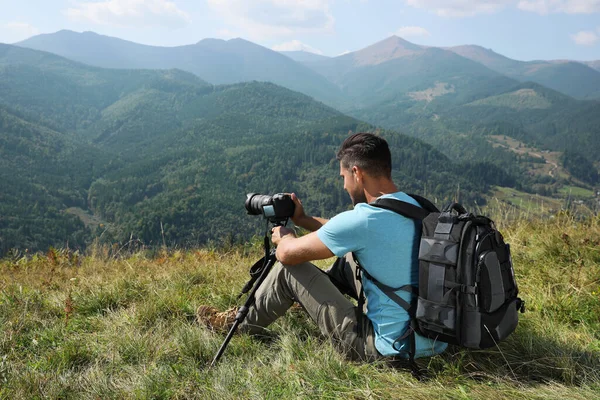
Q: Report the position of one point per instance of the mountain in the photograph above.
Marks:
(335, 68)
(134, 156)
(394, 79)
(392, 71)
(453, 102)
(569, 77)
(593, 64)
(385, 50)
(237, 60)
(217, 61)
(303, 56)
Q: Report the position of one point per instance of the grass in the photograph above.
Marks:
(509, 204)
(576, 191)
(108, 325)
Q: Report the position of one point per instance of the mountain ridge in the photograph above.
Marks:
(214, 60)
(385, 50)
(303, 56)
(229, 61)
(573, 78)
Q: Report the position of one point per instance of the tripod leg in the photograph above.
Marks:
(243, 311)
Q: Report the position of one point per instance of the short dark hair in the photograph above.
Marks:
(368, 152)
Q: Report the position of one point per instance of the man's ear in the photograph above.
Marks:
(358, 173)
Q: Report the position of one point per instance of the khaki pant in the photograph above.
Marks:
(321, 293)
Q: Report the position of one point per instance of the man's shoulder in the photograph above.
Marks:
(353, 215)
(351, 222)
(345, 232)
(402, 197)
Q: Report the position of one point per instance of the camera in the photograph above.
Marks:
(276, 208)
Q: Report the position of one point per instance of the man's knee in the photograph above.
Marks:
(296, 271)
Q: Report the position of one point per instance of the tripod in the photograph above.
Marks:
(258, 273)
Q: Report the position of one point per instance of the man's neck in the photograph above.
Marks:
(378, 188)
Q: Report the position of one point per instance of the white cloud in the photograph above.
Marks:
(296, 45)
(537, 6)
(585, 38)
(560, 6)
(130, 12)
(411, 31)
(459, 8)
(16, 31)
(468, 8)
(262, 19)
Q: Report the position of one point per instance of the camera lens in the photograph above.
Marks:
(255, 202)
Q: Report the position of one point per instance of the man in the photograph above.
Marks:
(385, 244)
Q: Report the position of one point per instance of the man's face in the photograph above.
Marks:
(353, 185)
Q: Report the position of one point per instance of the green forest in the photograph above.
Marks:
(161, 157)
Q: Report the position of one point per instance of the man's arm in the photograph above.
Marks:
(311, 224)
(304, 221)
(292, 250)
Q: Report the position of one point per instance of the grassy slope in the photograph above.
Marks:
(116, 325)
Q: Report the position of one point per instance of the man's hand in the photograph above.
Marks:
(302, 220)
(299, 213)
(280, 233)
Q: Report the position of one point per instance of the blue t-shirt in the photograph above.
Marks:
(385, 244)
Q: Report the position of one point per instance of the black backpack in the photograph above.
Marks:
(467, 292)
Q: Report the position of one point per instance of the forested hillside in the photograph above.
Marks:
(540, 116)
(43, 172)
(449, 97)
(162, 157)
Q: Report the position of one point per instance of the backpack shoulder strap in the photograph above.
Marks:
(425, 203)
(403, 208)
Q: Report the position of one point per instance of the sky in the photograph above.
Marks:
(520, 29)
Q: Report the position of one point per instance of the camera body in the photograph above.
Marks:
(277, 208)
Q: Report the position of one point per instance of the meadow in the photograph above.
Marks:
(120, 323)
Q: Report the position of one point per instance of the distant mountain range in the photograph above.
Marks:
(575, 79)
(237, 60)
(217, 61)
(393, 83)
(162, 155)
